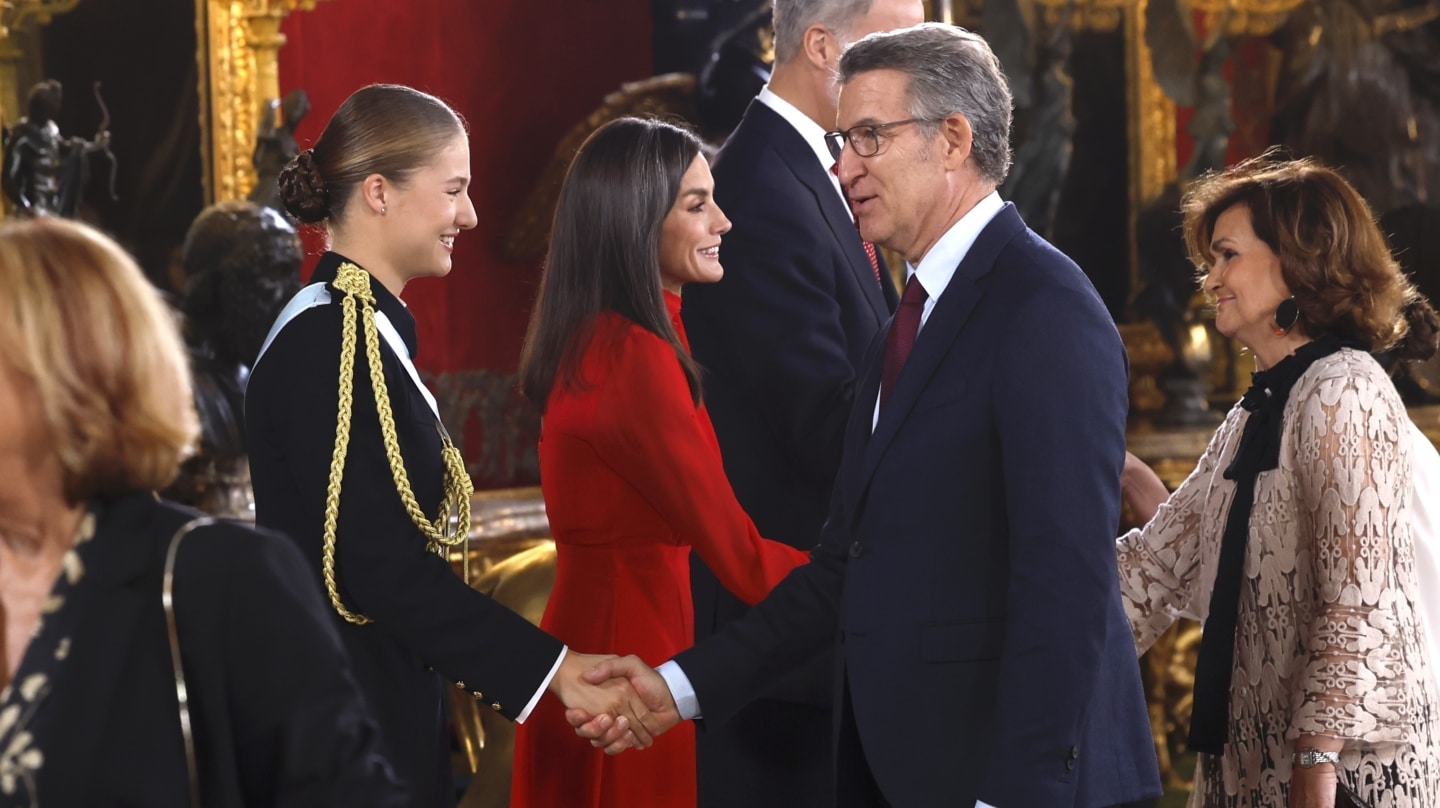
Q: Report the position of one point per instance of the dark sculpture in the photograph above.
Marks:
(45, 172)
(733, 74)
(275, 146)
(1037, 63)
(242, 262)
(1359, 89)
(1166, 300)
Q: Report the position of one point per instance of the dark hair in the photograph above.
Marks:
(1333, 257)
(605, 249)
(385, 129)
(242, 263)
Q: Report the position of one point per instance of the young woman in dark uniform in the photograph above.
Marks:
(347, 452)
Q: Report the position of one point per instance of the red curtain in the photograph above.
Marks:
(522, 72)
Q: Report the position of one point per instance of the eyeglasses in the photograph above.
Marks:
(865, 138)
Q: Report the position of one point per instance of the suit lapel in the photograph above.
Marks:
(941, 328)
(801, 159)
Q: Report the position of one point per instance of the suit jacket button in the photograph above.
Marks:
(1074, 753)
(856, 549)
(1070, 764)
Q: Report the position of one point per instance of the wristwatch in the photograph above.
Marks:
(1310, 757)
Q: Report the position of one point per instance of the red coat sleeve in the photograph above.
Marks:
(649, 431)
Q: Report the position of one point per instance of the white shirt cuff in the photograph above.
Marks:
(680, 689)
(979, 804)
(535, 699)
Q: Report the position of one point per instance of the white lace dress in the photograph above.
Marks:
(1328, 640)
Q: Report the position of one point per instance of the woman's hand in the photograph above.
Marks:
(1314, 787)
(1141, 488)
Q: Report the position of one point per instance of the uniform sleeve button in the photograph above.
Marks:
(477, 694)
(459, 684)
(495, 706)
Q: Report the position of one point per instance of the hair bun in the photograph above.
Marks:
(1423, 339)
(302, 189)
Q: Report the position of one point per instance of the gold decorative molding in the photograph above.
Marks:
(1152, 118)
(1086, 15)
(1151, 128)
(1244, 18)
(239, 69)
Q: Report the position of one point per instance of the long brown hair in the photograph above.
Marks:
(605, 249)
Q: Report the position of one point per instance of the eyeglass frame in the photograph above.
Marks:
(843, 136)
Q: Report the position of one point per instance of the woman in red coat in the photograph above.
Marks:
(629, 463)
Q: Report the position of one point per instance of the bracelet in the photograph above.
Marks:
(1309, 757)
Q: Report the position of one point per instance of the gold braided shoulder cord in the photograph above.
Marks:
(452, 524)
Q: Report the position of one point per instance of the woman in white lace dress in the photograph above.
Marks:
(1292, 537)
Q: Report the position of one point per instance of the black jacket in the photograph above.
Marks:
(277, 717)
(426, 619)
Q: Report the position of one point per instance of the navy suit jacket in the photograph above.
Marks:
(970, 555)
(782, 334)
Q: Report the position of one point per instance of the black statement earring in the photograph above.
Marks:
(1285, 316)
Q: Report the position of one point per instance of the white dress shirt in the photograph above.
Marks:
(936, 269)
(938, 265)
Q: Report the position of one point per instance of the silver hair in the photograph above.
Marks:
(951, 70)
(792, 17)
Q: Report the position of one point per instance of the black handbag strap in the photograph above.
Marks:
(167, 598)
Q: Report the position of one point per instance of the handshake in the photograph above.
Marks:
(615, 702)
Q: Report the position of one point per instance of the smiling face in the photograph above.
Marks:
(690, 234)
(894, 191)
(1244, 280)
(424, 214)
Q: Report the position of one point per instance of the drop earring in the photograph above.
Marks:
(1285, 316)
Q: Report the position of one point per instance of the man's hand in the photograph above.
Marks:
(660, 711)
(611, 706)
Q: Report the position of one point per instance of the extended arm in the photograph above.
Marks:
(651, 433)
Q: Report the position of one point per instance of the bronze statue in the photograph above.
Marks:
(275, 146)
(45, 172)
(1036, 59)
(242, 263)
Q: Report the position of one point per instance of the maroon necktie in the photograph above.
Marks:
(903, 328)
(869, 248)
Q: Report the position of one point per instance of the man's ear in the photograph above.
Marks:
(959, 139)
(820, 47)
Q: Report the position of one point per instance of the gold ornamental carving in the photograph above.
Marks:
(239, 70)
(1244, 17)
(14, 13)
(1152, 119)
(1086, 15)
